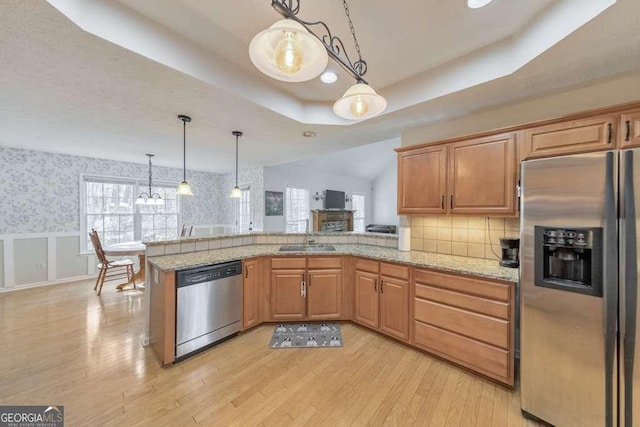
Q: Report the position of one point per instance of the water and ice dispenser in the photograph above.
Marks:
(569, 259)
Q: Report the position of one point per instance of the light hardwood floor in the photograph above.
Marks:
(63, 345)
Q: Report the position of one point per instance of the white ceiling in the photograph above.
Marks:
(67, 90)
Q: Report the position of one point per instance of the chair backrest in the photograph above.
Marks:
(95, 241)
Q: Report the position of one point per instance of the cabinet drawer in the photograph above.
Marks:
(467, 285)
(393, 270)
(468, 302)
(491, 361)
(477, 326)
(286, 263)
(367, 265)
(324, 262)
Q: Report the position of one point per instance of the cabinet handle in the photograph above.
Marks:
(442, 203)
(302, 290)
(451, 201)
(382, 286)
(609, 133)
(628, 137)
(375, 285)
(246, 272)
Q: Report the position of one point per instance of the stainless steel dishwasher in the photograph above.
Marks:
(208, 306)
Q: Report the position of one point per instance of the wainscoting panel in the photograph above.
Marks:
(69, 262)
(30, 260)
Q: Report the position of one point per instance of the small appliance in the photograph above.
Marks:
(510, 249)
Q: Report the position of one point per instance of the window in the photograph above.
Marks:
(357, 204)
(160, 221)
(243, 210)
(296, 201)
(108, 206)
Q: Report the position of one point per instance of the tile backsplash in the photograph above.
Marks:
(461, 235)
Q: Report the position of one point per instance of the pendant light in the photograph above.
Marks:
(149, 198)
(184, 189)
(236, 193)
(286, 51)
(359, 102)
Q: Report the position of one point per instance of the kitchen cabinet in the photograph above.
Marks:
(630, 129)
(287, 294)
(571, 137)
(473, 176)
(306, 289)
(382, 297)
(250, 294)
(482, 176)
(422, 180)
(468, 321)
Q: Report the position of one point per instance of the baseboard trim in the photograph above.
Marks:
(66, 280)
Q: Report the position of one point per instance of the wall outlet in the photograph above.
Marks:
(40, 266)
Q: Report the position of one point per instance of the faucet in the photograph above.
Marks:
(308, 238)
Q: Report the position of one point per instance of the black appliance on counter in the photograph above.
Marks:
(510, 250)
(377, 228)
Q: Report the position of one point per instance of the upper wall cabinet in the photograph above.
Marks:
(630, 129)
(482, 176)
(476, 176)
(571, 137)
(422, 180)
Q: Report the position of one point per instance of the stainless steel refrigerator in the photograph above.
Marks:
(578, 281)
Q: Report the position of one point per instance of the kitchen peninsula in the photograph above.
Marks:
(457, 308)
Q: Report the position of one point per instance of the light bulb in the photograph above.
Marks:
(289, 54)
(359, 106)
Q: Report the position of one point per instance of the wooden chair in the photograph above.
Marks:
(110, 270)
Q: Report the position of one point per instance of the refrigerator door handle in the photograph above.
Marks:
(610, 288)
(630, 285)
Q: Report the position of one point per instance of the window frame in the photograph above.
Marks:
(139, 185)
(363, 217)
(308, 213)
(236, 208)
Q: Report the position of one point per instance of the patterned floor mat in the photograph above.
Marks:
(296, 335)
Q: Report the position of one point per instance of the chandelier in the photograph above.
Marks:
(291, 51)
(149, 198)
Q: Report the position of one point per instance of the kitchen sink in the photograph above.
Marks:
(307, 248)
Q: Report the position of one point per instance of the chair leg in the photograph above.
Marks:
(102, 281)
(133, 277)
(98, 279)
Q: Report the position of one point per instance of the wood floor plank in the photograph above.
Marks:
(64, 345)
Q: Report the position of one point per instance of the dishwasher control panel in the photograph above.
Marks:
(208, 274)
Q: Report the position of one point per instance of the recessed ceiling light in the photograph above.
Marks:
(308, 134)
(329, 77)
(477, 4)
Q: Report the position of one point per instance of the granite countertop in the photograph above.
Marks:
(450, 263)
(260, 233)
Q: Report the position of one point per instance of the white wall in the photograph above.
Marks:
(276, 178)
(385, 193)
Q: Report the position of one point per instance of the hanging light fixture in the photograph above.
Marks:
(149, 198)
(184, 189)
(236, 193)
(280, 53)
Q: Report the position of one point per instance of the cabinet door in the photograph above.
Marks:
(630, 130)
(482, 176)
(287, 294)
(394, 307)
(250, 308)
(571, 137)
(367, 298)
(324, 294)
(422, 180)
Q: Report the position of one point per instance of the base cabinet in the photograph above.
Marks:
(306, 289)
(366, 298)
(382, 297)
(324, 294)
(287, 294)
(465, 320)
(250, 294)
